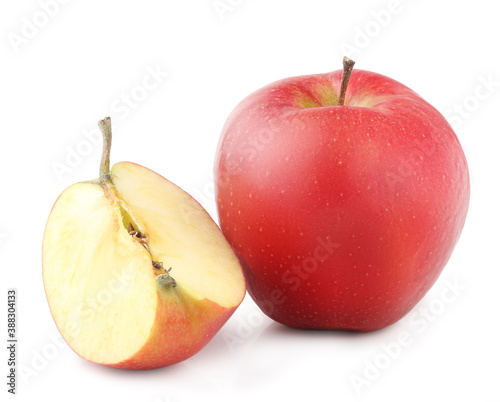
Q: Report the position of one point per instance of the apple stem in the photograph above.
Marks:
(105, 127)
(346, 75)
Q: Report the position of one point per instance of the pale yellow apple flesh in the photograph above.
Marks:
(136, 273)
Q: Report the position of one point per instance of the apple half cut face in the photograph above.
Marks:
(136, 273)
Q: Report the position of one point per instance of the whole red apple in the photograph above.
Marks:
(343, 212)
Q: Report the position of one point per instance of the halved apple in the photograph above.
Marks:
(137, 274)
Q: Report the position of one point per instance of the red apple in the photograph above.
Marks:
(343, 214)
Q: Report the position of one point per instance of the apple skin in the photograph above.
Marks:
(343, 217)
(183, 326)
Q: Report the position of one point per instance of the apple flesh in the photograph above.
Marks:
(137, 275)
(343, 216)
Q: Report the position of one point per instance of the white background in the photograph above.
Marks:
(77, 65)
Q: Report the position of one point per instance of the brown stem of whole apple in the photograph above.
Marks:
(346, 75)
(105, 127)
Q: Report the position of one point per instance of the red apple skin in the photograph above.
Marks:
(343, 216)
(182, 327)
